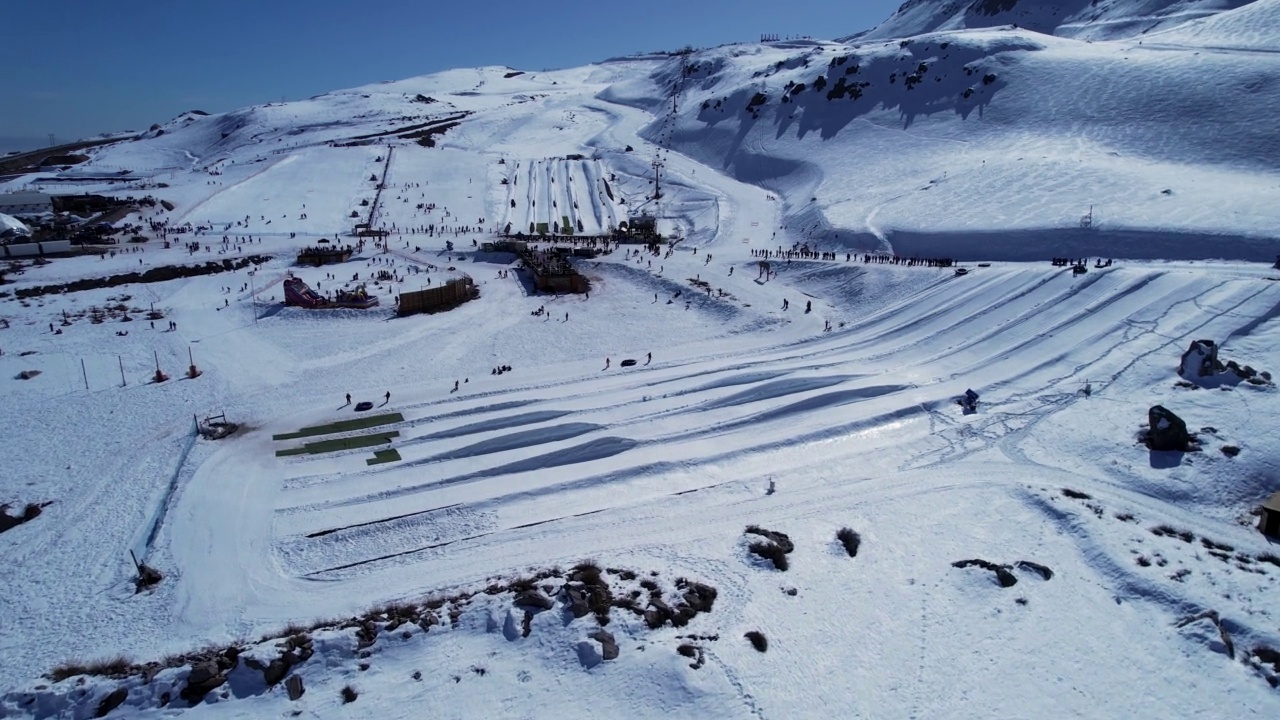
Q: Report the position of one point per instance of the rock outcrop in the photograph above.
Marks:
(112, 701)
(1200, 360)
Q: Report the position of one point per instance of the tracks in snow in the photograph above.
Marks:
(528, 457)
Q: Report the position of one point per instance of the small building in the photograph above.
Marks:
(1269, 524)
(552, 272)
(324, 254)
(26, 203)
(642, 225)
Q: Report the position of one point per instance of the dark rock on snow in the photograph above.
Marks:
(1167, 431)
(294, 687)
(112, 701)
(608, 646)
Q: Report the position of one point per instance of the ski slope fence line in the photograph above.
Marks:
(162, 509)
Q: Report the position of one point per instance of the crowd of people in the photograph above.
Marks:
(800, 251)
(318, 251)
(1068, 262)
(908, 261)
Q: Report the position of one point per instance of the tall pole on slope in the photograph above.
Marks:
(657, 193)
(253, 297)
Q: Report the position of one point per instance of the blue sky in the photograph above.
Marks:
(78, 68)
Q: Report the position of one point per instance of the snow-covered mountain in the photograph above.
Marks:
(947, 143)
(1080, 19)
(526, 525)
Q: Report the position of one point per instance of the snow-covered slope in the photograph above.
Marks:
(953, 143)
(945, 144)
(1255, 26)
(1080, 19)
(811, 397)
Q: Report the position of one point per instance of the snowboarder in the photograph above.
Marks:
(387, 398)
(648, 357)
(348, 398)
(606, 363)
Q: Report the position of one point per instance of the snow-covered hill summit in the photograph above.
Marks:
(1081, 19)
(961, 142)
(945, 131)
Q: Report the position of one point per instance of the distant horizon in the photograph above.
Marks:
(88, 80)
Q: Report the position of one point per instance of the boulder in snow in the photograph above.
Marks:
(204, 677)
(608, 646)
(589, 654)
(112, 701)
(1200, 360)
(294, 687)
(534, 598)
(1168, 431)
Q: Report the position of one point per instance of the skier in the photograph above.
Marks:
(388, 398)
(348, 398)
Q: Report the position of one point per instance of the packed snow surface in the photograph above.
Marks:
(816, 395)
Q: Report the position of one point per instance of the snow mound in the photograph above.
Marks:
(1256, 26)
(11, 228)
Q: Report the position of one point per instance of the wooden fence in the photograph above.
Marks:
(450, 295)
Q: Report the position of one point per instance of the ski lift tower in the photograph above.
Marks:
(657, 186)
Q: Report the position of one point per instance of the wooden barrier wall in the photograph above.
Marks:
(451, 294)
